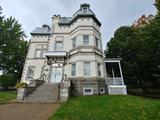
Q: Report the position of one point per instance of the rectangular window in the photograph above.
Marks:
(102, 90)
(59, 46)
(40, 50)
(85, 40)
(74, 69)
(30, 73)
(97, 45)
(74, 42)
(86, 70)
(87, 91)
(44, 49)
(38, 53)
(43, 52)
(85, 9)
(99, 69)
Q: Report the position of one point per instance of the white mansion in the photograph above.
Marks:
(71, 50)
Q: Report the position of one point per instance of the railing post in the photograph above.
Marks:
(121, 72)
(114, 81)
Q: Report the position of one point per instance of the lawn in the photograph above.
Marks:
(109, 108)
(5, 96)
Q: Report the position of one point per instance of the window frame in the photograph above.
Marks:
(55, 46)
(87, 93)
(102, 90)
(28, 74)
(97, 42)
(99, 69)
(85, 40)
(73, 70)
(74, 42)
(42, 49)
(36, 53)
(85, 70)
(85, 9)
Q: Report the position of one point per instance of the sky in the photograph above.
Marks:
(111, 13)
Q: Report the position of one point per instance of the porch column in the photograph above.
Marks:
(114, 81)
(121, 72)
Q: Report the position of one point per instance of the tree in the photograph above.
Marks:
(13, 48)
(140, 50)
(157, 4)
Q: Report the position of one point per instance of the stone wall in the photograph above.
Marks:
(95, 83)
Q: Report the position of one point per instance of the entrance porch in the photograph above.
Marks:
(55, 63)
(115, 77)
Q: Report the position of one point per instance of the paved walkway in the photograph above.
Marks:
(24, 111)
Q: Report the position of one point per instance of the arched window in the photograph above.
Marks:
(30, 72)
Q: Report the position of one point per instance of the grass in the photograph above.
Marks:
(109, 108)
(5, 96)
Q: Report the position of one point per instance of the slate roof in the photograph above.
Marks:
(65, 19)
(41, 31)
(45, 29)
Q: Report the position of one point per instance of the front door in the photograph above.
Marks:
(56, 74)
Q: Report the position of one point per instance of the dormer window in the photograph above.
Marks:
(84, 9)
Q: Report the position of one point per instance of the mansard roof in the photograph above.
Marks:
(80, 13)
(84, 11)
(44, 30)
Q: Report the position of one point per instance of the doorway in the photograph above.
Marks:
(56, 74)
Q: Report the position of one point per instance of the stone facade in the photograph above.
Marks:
(72, 46)
(96, 84)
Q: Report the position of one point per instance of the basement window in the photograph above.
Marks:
(87, 91)
(102, 90)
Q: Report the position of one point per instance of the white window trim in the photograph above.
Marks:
(84, 93)
(72, 70)
(55, 46)
(103, 90)
(85, 40)
(42, 50)
(96, 42)
(89, 69)
(74, 40)
(99, 69)
(30, 67)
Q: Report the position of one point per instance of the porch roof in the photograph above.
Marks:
(113, 59)
(55, 54)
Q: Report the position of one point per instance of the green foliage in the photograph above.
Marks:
(139, 49)
(5, 96)
(13, 48)
(21, 85)
(7, 81)
(157, 4)
(108, 108)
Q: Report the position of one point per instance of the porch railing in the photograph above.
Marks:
(115, 81)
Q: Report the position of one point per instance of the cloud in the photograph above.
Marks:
(111, 13)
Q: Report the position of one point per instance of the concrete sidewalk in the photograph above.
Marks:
(25, 111)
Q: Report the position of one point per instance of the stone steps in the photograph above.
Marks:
(46, 93)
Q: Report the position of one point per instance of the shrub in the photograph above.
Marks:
(7, 81)
(21, 85)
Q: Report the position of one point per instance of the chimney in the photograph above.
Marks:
(56, 17)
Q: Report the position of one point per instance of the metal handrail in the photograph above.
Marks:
(33, 81)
